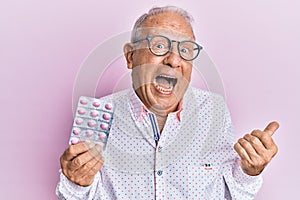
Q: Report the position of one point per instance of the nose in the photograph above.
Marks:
(173, 58)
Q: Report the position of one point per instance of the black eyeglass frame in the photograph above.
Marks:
(170, 46)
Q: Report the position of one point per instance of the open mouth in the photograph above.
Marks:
(165, 84)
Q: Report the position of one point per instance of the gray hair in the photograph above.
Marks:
(156, 10)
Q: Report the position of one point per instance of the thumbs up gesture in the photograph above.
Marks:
(257, 149)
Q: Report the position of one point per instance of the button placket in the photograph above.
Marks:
(159, 174)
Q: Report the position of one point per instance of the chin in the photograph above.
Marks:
(166, 102)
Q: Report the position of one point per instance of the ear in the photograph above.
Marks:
(128, 53)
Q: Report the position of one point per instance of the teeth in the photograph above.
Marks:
(164, 90)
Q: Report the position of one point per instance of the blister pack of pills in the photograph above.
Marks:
(92, 121)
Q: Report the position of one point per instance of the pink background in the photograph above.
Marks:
(255, 45)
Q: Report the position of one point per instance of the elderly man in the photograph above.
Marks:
(167, 140)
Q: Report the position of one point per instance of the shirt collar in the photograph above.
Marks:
(139, 110)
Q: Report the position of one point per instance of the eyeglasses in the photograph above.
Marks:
(160, 45)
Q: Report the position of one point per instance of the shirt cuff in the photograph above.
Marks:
(246, 179)
(77, 190)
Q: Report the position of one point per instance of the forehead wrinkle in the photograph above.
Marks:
(170, 21)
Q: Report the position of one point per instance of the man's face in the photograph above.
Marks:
(160, 81)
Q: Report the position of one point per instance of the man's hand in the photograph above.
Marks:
(257, 149)
(80, 162)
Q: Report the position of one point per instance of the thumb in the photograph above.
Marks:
(271, 128)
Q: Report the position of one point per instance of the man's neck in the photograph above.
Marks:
(161, 121)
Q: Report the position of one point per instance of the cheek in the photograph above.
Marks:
(187, 72)
(141, 75)
(140, 57)
(144, 56)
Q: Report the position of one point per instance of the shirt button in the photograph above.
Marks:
(159, 173)
(159, 149)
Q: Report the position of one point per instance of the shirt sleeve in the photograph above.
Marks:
(66, 189)
(239, 184)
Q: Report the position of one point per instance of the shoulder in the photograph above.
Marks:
(116, 97)
(204, 96)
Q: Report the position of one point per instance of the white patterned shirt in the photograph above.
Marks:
(193, 158)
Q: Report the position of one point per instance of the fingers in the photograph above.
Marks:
(81, 162)
(84, 175)
(241, 151)
(82, 159)
(90, 168)
(87, 178)
(96, 151)
(257, 149)
(248, 149)
(251, 163)
(266, 140)
(271, 128)
(75, 150)
(255, 143)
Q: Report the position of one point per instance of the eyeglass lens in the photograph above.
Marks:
(160, 45)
